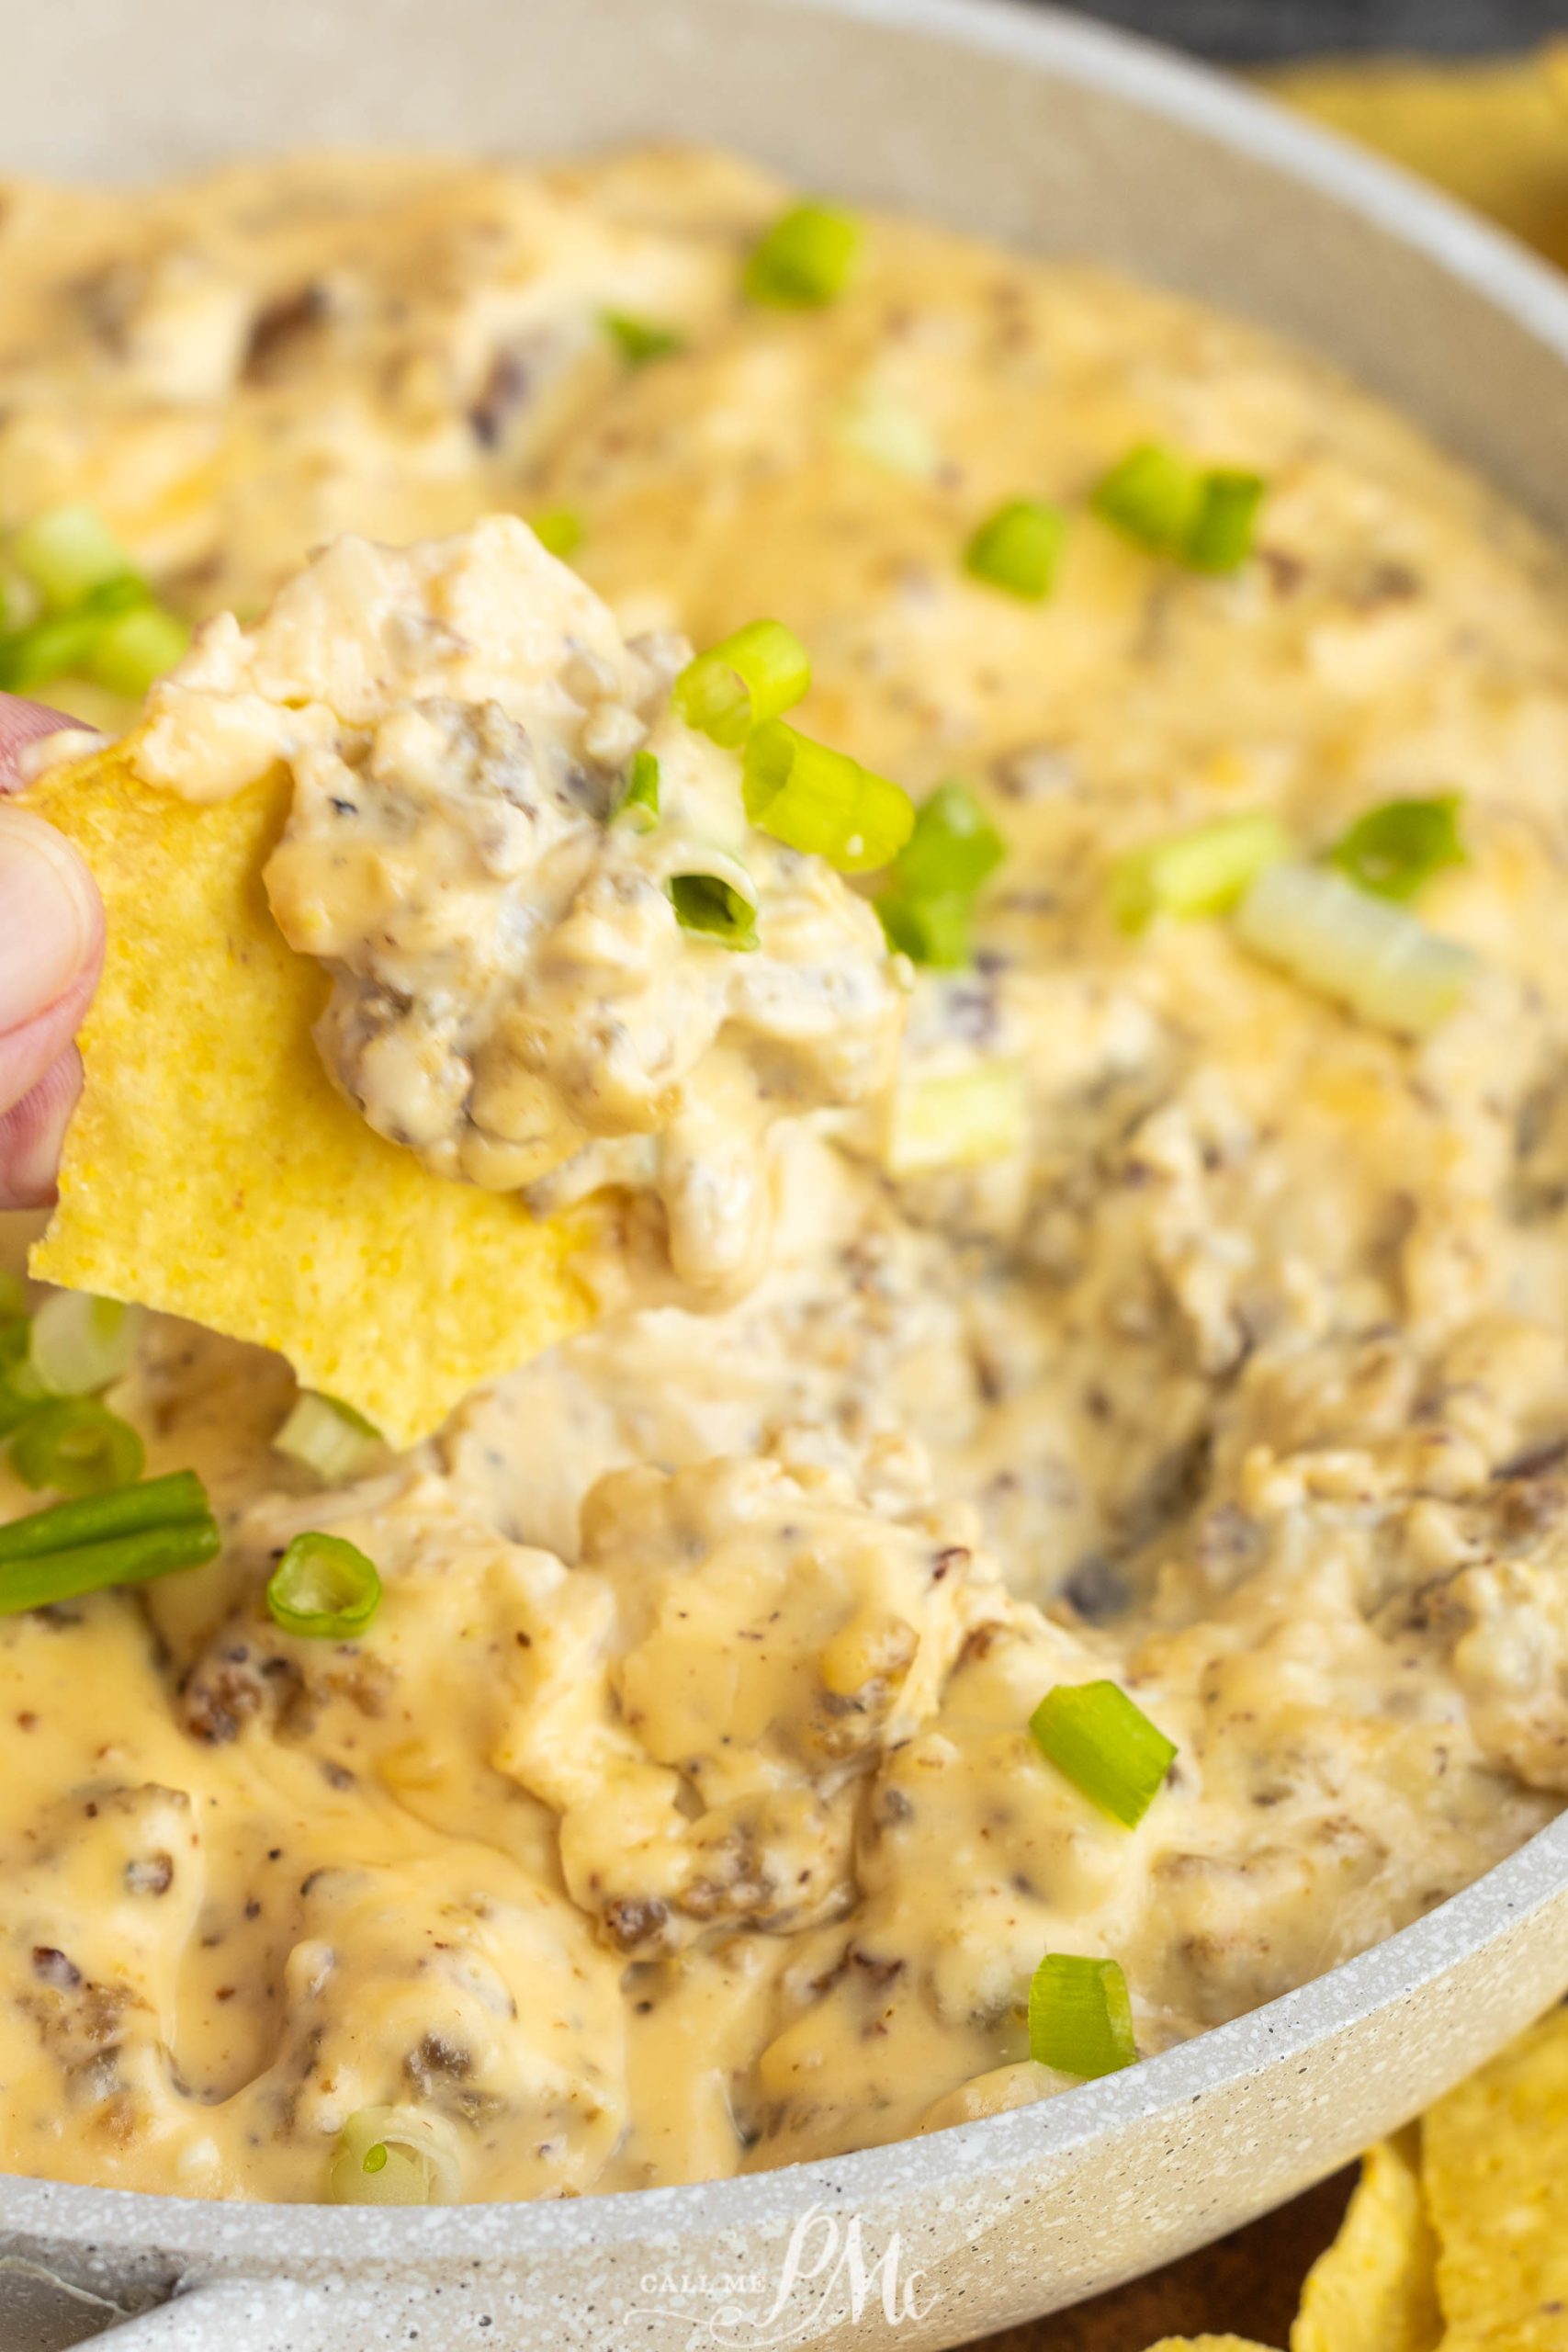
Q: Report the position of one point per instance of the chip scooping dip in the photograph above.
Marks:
(401, 976)
(212, 1168)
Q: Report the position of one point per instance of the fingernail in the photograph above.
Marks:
(48, 916)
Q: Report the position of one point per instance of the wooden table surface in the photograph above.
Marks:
(1497, 136)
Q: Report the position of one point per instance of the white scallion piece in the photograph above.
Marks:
(1371, 955)
(395, 2155)
(79, 1344)
(879, 426)
(957, 1121)
(330, 1439)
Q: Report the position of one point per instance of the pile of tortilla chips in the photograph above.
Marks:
(1456, 2239)
(212, 1170)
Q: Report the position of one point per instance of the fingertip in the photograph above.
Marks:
(33, 1132)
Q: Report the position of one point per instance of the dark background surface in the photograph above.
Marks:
(1264, 31)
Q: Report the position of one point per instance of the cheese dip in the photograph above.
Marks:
(1110, 1303)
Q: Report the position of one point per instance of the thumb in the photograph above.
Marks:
(50, 946)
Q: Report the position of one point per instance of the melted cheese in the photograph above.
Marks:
(678, 1813)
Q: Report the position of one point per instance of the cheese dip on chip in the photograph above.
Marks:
(834, 1045)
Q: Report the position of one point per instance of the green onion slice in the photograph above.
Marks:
(823, 802)
(806, 259)
(1162, 502)
(1105, 1745)
(1018, 548)
(638, 807)
(708, 903)
(78, 1447)
(638, 341)
(936, 933)
(1399, 844)
(68, 553)
(326, 1436)
(120, 1538)
(394, 2155)
(134, 651)
(80, 1343)
(1201, 872)
(61, 648)
(323, 1587)
(558, 530)
(1369, 953)
(1153, 497)
(761, 671)
(1081, 2019)
(20, 1390)
(953, 846)
(958, 1121)
(177, 1499)
(1219, 537)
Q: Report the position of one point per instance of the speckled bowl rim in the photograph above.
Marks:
(1394, 1972)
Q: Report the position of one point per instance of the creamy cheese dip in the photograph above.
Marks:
(678, 1814)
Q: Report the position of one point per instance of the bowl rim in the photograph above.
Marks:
(1510, 279)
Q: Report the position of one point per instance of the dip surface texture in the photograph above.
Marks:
(678, 1814)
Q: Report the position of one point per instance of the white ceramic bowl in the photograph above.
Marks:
(1042, 131)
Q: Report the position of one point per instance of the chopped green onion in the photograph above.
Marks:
(823, 802)
(1220, 538)
(955, 846)
(706, 902)
(1368, 954)
(960, 1121)
(328, 1437)
(639, 340)
(1105, 1745)
(60, 648)
(21, 1391)
(936, 932)
(742, 682)
(394, 2155)
(1018, 548)
(1081, 2019)
(323, 1587)
(1164, 503)
(806, 259)
(1201, 872)
(175, 1500)
(119, 1538)
(80, 1343)
(880, 427)
(68, 553)
(558, 530)
(1153, 497)
(1397, 846)
(78, 1447)
(638, 807)
(137, 649)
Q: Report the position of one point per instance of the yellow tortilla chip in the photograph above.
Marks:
(212, 1170)
(1376, 2289)
(1494, 2160)
(1207, 2344)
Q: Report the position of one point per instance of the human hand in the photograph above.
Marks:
(52, 945)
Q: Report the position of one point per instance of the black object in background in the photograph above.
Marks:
(1256, 32)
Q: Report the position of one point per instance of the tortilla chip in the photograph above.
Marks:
(1376, 2290)
(1494, 2158)
(1207, 2344)
(212, 1170)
